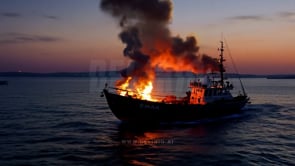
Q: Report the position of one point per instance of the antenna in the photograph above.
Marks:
(221, 67)
(235, 68)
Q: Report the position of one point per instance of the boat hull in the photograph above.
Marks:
(136, 110)
(3, 82)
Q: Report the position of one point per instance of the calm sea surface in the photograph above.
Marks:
(64, 121)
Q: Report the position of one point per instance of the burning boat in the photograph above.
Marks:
(150, 46)
(204, 100)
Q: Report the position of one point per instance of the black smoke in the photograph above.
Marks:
(135, 17)
(155, 10)
(146, 34)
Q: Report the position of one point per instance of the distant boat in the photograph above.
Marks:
(204, 100)
(3, 82)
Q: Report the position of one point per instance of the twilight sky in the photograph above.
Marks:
(75, 35)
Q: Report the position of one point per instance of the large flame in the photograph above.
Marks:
(150, 45)
(122, 87)
(145, 92)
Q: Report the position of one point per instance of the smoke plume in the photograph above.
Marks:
(149, 43)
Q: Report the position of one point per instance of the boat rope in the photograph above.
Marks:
(235, 67)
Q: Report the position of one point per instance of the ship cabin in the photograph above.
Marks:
(208, 92)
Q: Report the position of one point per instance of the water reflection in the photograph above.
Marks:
(165, 144)
(145, 145)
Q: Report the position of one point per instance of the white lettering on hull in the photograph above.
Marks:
(149, 106)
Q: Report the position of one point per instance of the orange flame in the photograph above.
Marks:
(143, 90)
(122, 86)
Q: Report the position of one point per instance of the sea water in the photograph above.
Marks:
(64, 121)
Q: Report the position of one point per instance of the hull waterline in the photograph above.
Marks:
(135, 110)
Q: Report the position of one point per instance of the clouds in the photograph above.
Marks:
(21, 15)
(10, 14)
(248, 18)
(51, 17)
(286, 14)
(13, 33)
(18, 38)
(277, 16)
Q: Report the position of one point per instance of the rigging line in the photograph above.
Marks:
(235, 67)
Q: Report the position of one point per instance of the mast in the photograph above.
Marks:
(221, 67)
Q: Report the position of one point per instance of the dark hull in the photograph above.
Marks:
(136, 110)
(3, 82)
